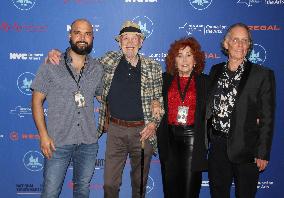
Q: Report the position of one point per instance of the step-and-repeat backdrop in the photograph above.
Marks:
(30, 28)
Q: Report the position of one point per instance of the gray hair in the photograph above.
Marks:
(224, 50)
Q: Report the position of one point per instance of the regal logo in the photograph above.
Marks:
(200, 4)
(24, 82)
(146, 25)
(24, 4)
(264, 27)
(14, 136)
(210, 55)
(258, 54)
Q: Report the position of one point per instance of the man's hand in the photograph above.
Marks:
(148, 131)
(261, 164)
(47, 146)
(53, 57)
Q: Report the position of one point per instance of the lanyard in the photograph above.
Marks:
(71, 73)
(182, 95)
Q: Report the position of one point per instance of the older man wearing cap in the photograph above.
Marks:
(131, 83)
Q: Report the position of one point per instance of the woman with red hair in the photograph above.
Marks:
(181, 134)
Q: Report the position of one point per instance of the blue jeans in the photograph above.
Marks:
(83, 157)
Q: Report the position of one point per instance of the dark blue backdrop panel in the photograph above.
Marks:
(30, 28)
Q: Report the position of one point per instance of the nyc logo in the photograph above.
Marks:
(24, 4)
(146, 25)
(24, 82)
(258, 54)
(200, 4)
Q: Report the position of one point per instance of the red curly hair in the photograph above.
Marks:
(182, 43)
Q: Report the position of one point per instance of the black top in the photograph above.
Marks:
(124, 97)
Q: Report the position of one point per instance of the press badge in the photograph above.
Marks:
(182, 114)
(79, 99)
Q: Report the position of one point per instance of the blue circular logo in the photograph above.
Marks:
(150, 184)
(146, 25)
(24, 4)
(33, 161)
(200, 4)
(258, 54)
(24, 82)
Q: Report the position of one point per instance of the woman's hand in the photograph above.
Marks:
(156, 109)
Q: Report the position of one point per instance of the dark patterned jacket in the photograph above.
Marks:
(252, 119)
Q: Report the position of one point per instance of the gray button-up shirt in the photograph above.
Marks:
(66, 123)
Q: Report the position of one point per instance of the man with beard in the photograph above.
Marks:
(131, 83)
(69, 89)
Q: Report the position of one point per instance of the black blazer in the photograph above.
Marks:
(255, 100)
(199, 155)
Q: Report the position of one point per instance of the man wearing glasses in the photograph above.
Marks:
(240, 111)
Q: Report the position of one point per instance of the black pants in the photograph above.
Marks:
(222, 172)
(180, 180)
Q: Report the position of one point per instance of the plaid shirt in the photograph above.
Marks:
(151, 88)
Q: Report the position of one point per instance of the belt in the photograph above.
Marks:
(127, 123)
(219, 133)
